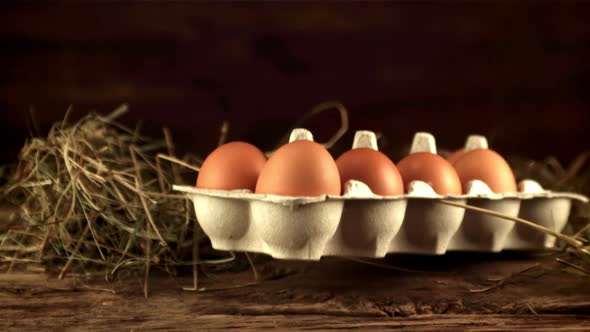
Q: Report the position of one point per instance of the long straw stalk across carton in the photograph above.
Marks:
(569, 240)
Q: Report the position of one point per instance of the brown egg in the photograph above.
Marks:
(373, 168)
(455, 155)
(300, 168)
(432, 169)
(234, 165)
(488, 166)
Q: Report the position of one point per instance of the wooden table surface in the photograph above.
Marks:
(447, 294)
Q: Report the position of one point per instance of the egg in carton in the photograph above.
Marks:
(479, 231)
(369, 222)
(487, 233)
(361, 223)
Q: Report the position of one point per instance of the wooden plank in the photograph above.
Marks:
(331, 294)
(188, 322)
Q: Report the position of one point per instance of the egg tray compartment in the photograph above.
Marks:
(359, 224)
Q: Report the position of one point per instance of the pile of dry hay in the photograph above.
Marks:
(97, 194)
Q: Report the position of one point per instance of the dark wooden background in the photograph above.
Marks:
(518, 72)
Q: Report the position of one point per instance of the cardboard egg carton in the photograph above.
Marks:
(362, 224)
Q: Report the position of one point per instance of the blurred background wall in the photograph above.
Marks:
(517, 72)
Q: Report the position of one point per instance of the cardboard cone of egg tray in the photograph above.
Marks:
(362, 224)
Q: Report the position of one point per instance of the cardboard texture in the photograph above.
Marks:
(362, 224)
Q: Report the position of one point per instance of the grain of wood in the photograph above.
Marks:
(329, 295)
(474, 323)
